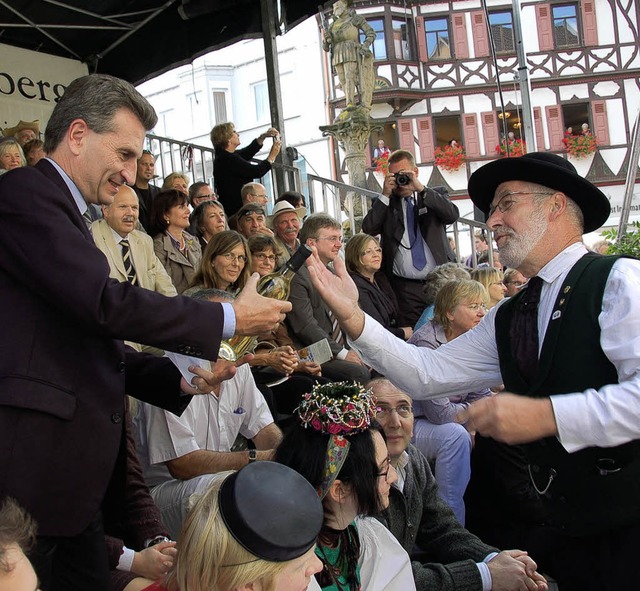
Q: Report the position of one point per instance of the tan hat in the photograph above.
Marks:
(284, 207)
(33, 126)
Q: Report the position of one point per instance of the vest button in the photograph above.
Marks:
(116, 418)
(121, 366)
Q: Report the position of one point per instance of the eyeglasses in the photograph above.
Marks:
(265, 257)
(404, 411)
(370, 251)
(505, 204)
(234, 257)
(387, 464)
(476, 307)
(333, 239)
(208, 196)
(516, 283)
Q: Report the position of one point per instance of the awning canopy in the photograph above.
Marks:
(138, 39)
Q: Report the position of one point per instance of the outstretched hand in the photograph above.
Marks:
(339, 292)
(206, 381)
(510, 418)
(256, 314)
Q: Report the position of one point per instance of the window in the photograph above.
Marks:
(575, 116)
(219, 106)
(501, 24)
(402, 46)
(261, 100)
(447, 128)
(378, 46)
(164, 126)
(438, 38)
(565, 25)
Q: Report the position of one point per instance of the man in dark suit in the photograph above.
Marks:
(397, 215)
(310, 320)
(64, 369)
(145, 171)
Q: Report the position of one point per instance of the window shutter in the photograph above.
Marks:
(600, 122)
(589, 25)
(422, 40)
(480, 34)
(490, 132)
(545, 27)
(407, 141)
(425, 139)
(537, 123)
(460, 40)
(471, 138)
(556, 127)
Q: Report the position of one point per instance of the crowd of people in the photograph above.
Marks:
(123, 471)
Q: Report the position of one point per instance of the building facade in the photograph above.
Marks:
(436, 80)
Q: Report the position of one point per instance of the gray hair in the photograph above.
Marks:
(442, 274)
(96, 99)
(212, 294)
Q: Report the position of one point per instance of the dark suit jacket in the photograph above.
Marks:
(379, 301)
(387, 221)
(308, 322)
(64, 368)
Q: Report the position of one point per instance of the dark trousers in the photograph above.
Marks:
(73, 564)
(410, 296)
(600, 562)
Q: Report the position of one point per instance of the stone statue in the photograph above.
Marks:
(352, 60)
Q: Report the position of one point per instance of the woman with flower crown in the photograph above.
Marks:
(337, 446)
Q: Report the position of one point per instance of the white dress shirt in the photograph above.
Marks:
(606, 417)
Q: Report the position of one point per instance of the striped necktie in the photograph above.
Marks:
(336, 332)
(128, 264)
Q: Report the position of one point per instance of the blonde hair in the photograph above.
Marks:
(7, 144)
(221, 134)
(487, 276)
(452, 294)
(210, 558)
(168, 180)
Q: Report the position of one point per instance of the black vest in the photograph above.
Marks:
(595, 489)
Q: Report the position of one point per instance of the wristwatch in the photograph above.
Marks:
(156, 540)
(253, 455)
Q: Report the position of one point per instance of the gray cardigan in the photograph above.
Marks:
(419, 517)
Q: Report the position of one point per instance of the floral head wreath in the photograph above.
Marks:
(339, 409)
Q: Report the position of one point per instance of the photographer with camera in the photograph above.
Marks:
(411, 220)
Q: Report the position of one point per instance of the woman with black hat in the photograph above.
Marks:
(254, 530)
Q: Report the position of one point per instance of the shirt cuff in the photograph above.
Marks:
(384, 199)
(229, 326)
(342, 354)
(485, 575)
(126, 559)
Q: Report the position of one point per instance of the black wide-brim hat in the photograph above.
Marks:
(542, 168)
(271, 510)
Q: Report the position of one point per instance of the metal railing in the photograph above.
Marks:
(344, 202)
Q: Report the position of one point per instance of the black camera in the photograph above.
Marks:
(402, 179)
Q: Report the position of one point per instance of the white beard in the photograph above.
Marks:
(517, 247)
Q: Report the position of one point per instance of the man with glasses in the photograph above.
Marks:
(572, 383)
(254, 193)
(310, 320)
(411, 220)
(451, 557)
(514, 282)
(199, 192)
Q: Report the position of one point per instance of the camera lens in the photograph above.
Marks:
(402, 179)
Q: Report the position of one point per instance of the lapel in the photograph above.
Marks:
(173, 253)
(106, 242)
(48, 170)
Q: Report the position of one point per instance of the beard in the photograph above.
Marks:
(517, 247)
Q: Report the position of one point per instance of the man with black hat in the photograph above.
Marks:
(573, 393)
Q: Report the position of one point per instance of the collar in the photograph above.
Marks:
(401, 469)
(75, 192)
(562, 262)
(117, 236)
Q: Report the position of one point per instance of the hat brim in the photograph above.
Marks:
(33, 126)
(592, 201)
(301, 211)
